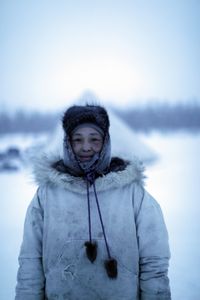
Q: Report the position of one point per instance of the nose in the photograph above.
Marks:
(86, 146)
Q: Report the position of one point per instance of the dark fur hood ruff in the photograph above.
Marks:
(48, 170)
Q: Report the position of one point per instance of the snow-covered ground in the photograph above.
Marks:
(175, 183)
(173, 180)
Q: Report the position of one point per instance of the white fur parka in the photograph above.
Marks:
(53, 263)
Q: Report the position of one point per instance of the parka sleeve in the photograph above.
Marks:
(154, 253)
(30, 276)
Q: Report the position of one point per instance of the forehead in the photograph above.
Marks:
(85, 131)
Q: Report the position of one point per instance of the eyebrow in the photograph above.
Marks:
(79, 134)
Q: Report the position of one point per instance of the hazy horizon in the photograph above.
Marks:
(125, 52)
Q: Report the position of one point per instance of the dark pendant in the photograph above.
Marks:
(91, 250)
(111, 268)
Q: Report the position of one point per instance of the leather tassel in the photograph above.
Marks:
(111, 268)
(91, 250)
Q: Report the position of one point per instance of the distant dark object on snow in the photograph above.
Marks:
(11, 160)
(13, 152)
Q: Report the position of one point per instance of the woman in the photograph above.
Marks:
(92, 231)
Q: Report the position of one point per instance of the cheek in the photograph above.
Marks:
(97, 147)
(75, 148)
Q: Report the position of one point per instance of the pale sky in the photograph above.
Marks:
(124, 51)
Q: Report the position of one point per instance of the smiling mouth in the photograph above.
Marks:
(84, 158)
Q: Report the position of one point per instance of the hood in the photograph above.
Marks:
(121, 174)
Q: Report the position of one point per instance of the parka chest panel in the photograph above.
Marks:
(66, 219)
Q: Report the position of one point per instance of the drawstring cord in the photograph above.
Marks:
(89, 215)
(100, 217)
(91, 247)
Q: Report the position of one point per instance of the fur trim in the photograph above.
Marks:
(45, 172)
(117, 164)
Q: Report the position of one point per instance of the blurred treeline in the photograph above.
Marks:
(162, 117)
(27, 122)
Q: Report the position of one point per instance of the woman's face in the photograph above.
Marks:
(86, 142)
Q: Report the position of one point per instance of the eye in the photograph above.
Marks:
(76, 140)
(95, 140)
